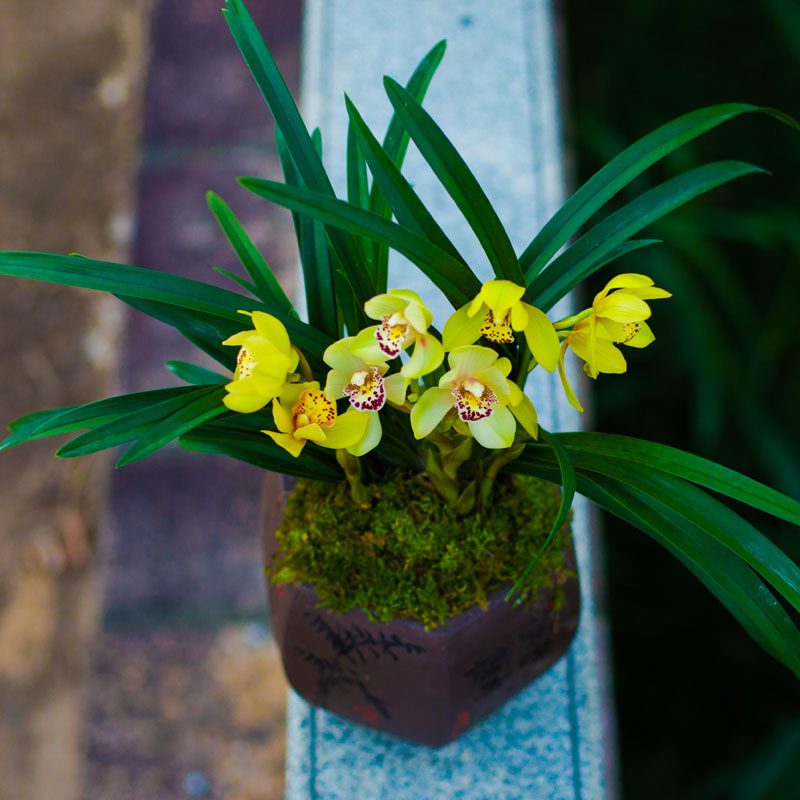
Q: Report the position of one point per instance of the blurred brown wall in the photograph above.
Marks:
(71, 74)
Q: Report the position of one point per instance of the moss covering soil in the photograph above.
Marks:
(405, 554)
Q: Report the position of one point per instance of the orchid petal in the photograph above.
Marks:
(542, 338)
(495, 431)
(382, 305)
(396, 386)
(283, 420)
(643, 338)
(627, 280)
(500, 295)
(417, 318)
(339, 356)
(289, 443)
(526, 415)
(475, 306)
(371, 437)
(494, 379)
(650, 293)
(573, 400)
(244, 404)
(622, 307)
(337, 380)
(470, 360)
(347, 430)
(430, 409)
(519, 316)
(272, 330)
(461, 329)
(504, 365)
(427, 356)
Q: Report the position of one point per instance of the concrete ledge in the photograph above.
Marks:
(496, 96)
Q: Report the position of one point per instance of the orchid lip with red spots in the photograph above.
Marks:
(366, 390)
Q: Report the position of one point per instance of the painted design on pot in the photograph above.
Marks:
(352, 646)
(489, 674)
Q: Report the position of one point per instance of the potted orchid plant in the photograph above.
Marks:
(426, 528)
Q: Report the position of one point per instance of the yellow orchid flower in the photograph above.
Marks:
(617, 316)
(497, 312)
(405, 320)
(312, 417)
(477, 386)
(265, 361)
(358, 366)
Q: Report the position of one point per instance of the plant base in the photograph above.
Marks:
(425, 686)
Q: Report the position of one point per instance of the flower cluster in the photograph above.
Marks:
(475, 398)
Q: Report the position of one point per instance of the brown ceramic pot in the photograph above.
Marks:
(424, 686)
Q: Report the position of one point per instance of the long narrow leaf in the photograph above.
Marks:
(287, 118)
(583, 257)
(665, 491)
(183, 420)
(100, 412)
(728, 577)
(403, 200)
(269, 290)
(457, 179)
(456, 281)
(567, 495)
(395, 145)
(724, 574)
(690, 467)
(125, 280)
(191, 373)
(131, 426)
(22, 428)
(260, 451)
(620, 171)
(312, 244)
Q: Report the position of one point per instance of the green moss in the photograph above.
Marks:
(404, 553)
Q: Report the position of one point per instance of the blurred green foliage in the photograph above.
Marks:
(702, 713)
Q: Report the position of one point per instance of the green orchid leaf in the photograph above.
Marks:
(133, 425)
(257, 449)
(187, 304)
(127, 281)
(735, 584)
(358, 193)
(208, 331)
(101, 412)
(312, 243)
(357, 184)
(267, 287)
(288, 120)
(22, 428)
(685, 465)
(706, 514)
(584, 256)
(456, 281)
(286, 195)
(459, 182)
(183, 420)
(567, 495)
(619, 172)
(245, 284)
(191, 373)
(403, 200)
(395, 145)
